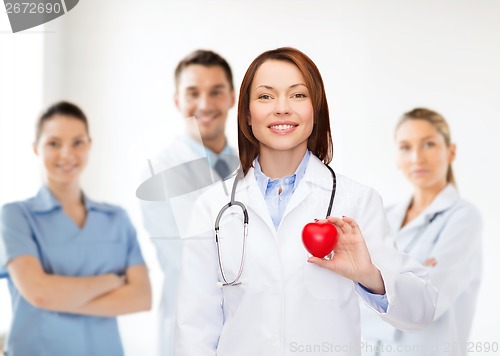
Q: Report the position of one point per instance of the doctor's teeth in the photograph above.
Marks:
(282, 127)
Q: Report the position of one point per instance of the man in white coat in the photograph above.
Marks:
(204, 95)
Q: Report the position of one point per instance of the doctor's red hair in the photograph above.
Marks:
(320, 140)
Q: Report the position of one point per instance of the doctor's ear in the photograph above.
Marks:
(233, 99)
(176, 100)
(453, 152)
(35, 148)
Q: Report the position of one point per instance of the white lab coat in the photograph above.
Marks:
(166, 221)
(287, 306)
(450, 231)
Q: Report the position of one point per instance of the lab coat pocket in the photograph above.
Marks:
(324, 284)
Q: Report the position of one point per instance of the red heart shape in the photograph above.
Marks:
(319, 239)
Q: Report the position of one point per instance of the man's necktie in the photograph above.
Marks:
(222, 168)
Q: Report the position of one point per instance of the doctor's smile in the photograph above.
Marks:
(282, 127)
(420, 172)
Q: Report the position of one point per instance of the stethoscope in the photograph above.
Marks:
(233, 202)
(421, 231)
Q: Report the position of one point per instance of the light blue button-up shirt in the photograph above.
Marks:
(277, 201)
(107, 243)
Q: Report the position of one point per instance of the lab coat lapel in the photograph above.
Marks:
(252, 197)
(314, 176)
(443, 201)
(396, 214)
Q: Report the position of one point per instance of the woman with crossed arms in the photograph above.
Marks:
(74, 264)
(439, 229)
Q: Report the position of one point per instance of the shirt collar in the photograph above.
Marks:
(263, 180)
(444, 200)
(45, 202)
(93, 205)
(203, 151)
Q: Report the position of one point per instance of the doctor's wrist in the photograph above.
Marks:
(373, 281)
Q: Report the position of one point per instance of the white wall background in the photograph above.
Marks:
(378, 59)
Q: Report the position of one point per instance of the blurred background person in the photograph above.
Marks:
(204, 94)
(440, 230)
(73, 264)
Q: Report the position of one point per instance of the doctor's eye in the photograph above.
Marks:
(404, 148)
(192, 95)
(53, 144)
(78, 143)
(216, 93)
(429, 144)
(299, 96)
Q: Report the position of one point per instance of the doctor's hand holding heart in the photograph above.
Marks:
(282, 302)
(351, 258)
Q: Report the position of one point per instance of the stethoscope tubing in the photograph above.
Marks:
(233, 202)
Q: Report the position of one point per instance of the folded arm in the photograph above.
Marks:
(56, 292)
(133, 296)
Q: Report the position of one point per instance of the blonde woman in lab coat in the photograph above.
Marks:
(287, 302)
(439, 229)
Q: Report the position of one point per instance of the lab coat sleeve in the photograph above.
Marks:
(411, 297)
(199, 316)
(458, 252)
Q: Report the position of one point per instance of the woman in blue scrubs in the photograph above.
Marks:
(74, 264)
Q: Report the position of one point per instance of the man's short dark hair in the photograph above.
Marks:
(205, 58)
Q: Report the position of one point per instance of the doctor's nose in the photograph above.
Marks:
(416, 155)
(66, 151)
(204, 102)
(282, 107)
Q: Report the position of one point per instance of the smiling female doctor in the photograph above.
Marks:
(440, 230)
(285, 303)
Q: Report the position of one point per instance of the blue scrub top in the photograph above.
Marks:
(107, 243)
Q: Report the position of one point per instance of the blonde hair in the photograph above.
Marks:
(436, 120)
